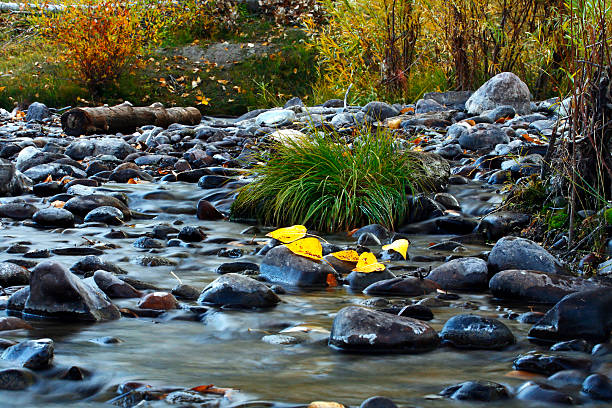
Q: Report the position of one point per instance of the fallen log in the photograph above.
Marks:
(125, 118)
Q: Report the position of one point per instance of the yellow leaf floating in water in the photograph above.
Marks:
(288, 234)
(368, 263)
(307, 247)
(348, 256)
(325, 404)
(400, 246)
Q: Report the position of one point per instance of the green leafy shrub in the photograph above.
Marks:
(328, 184)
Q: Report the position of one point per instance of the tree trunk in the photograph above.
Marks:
(124, 118)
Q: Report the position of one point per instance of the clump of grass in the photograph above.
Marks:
(330, 185)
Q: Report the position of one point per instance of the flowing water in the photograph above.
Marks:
(225, 348)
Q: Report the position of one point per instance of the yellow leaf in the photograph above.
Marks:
(288, 234)
(400, 246)
(394, 123)
(348, 255)
(325, 404)
(368, 263)
(307, 247)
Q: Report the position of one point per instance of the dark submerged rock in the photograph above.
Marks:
(532, 391)
(358, 329)
(521, 253)
(32, 354)
(16, 379)
(549, 364)
(234, 290)
(598, 386)
(461, 274)
(476, 391)
(476, 332)
(409, 286)
(282, 266)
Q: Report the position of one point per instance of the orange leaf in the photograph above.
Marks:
(58, 204)
(307, 247)
(351, 232)
(348, 256)
(132, 181)
(210, 389)
(288, 234)
(331, 280)
(407, 110)
(49, 179)
(470, 122)
(368, 263)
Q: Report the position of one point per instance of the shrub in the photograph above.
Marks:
(328, 184)
(292, 11)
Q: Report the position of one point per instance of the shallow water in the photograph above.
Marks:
(225, 348)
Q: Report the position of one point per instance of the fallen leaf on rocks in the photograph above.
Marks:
(288, 234)
(210, 389)
(307, 247)
(58, 204)
(304, 328)
(325, 404)
(394, 123)
(368, 263)
(331, 280)
(524, 375)
(400, 246)
(348, 255)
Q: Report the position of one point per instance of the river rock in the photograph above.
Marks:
(358, 329)
(206, 211)
(18, 211)
(381, 233)
(501, 223)
(32, 354)
(236, 267)
(461, 274)
(13, 275)
(80, 149)
(105, 214)
(482, 136)
(585, 315)
(282, 266)
(37, 112)
(548, 364)
(113, 286)
(408, 286)
(56, 170)
(598, 387)
(543, 393)
(476, 332)
(91, 263)
(15, 379)
(54, 218)
(521, 253)
(158, 301)
(234, 290)
(476, 391)
(565, 378)
(536, 287)
(503, 89)
(378, 402)
(358, 281)
(57, 293)
(275, 118)
(186, 292)
(12, 181)
(13, 323)
(16, 302)
(191, 234)
(379, 110)
(82, 205)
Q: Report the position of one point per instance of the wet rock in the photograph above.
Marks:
(482, 136)
(601, 349)
(54, 218)
(531, 391)
(18, 211)
(379, 110)
(184, 291)
(420, 312)
(158, 301)
(37, 112)
(191, 234)
(74, 373)
(13, 323)
(32, 354)
(461, 274)
(358, 281)
(536, 287)
(12, 182)
(598, 387)
(57, 293)
(448, 201)
(382, 234)
(80, 149)
(207, 211)
(282, 266)
(16, 379)
(92, 263)
(106, 340)
(409, 286)
(358, 329)
(236, 267)
(13, 275)
(234, 290)
(154, 261)
(501, 223)
(47, 189)
(16, 302)
(105, 214)
(378, 402)
(82, 205)
(476, 391)
(582, 315)
(521, 253)
(476, 332)
(113, 286)
(275, 118)
(572, 345)
(565, 378)
(147, 243)
(56, 170)
(548, 364)
(505, 89)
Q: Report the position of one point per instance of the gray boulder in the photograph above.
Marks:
(476, 332)
(234, 290)
(95, 147)
(521, 253)
(280, 265)
(461, 274)
(503, 89)
(380, 110)
(37, 111)
(12, 182)
(483, 136)
(32, 354)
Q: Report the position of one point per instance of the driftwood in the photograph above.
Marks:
(125, 118)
